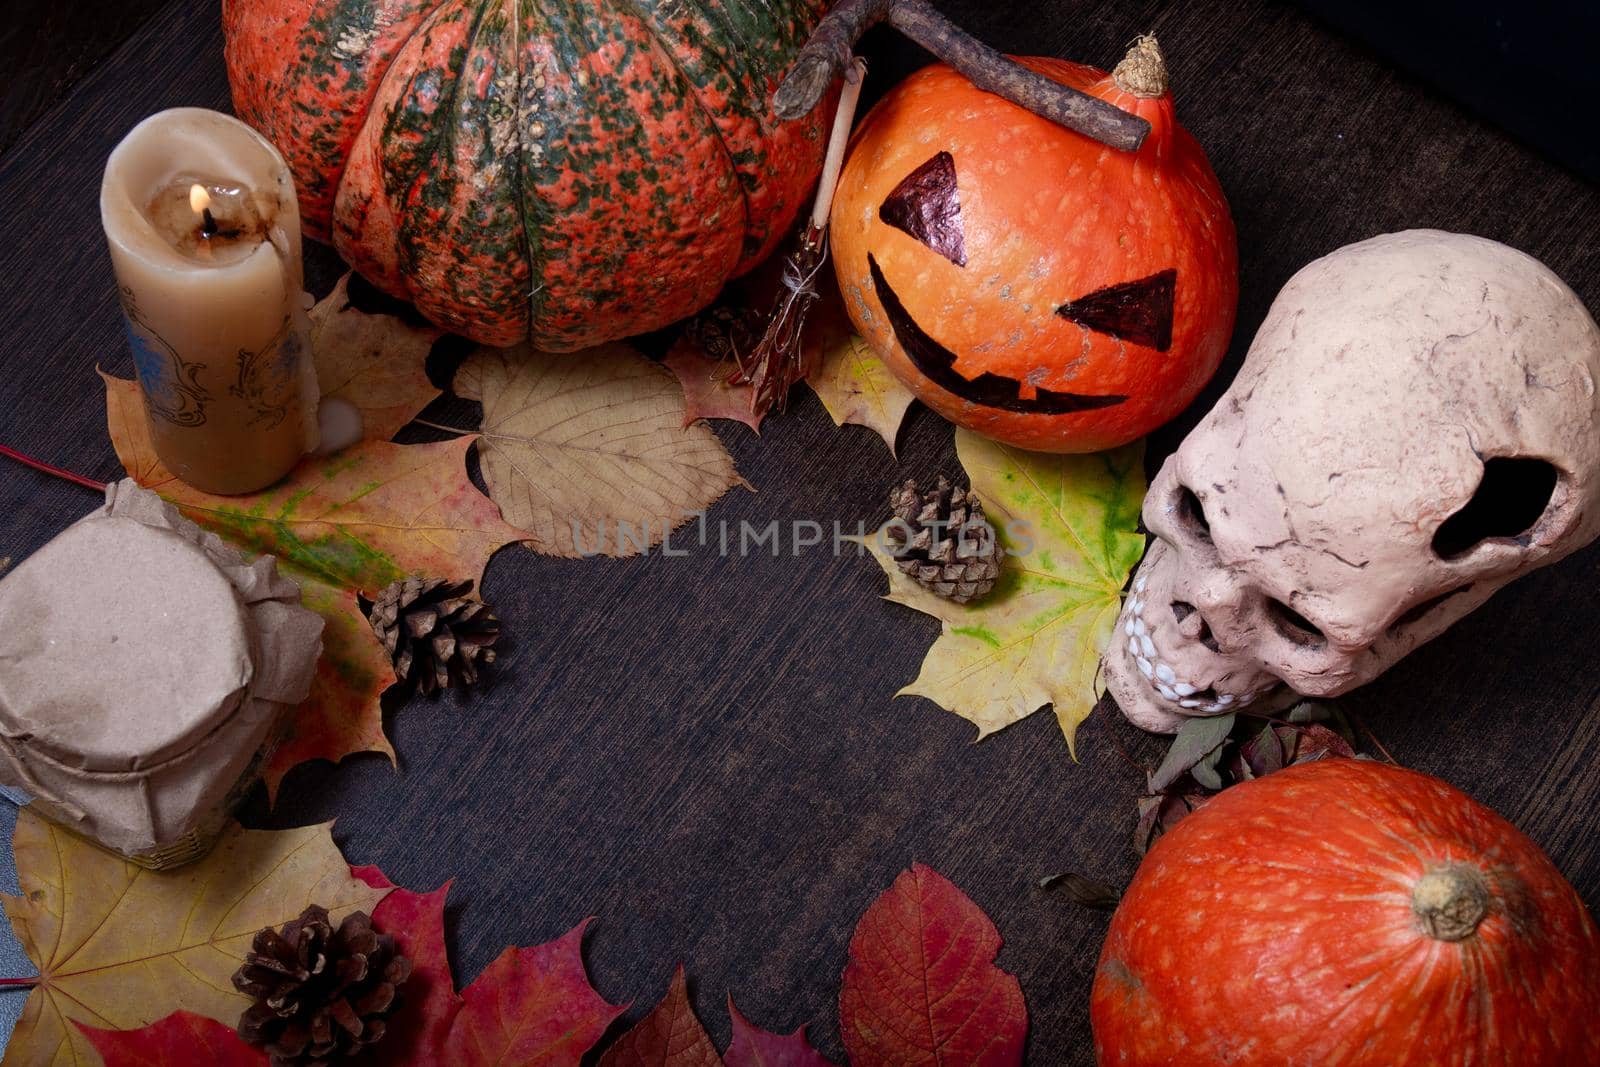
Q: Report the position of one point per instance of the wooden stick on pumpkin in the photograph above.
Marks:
(828, 52)
(775, 363)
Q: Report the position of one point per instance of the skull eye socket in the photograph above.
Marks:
(1294, 626)
(1511, 497)
(1192, 514)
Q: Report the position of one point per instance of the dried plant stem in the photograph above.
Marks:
(1361, 724)
(459, 431)
(828, 53)
(18, 983)
(41, 465)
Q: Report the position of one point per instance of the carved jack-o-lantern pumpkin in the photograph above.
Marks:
(1025, 281)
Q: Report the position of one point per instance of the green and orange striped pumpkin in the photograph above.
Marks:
(566, 171)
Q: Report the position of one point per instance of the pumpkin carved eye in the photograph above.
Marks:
(927, 206)
(1138, 311)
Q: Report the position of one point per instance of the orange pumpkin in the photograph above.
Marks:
(1026, 281)
(1348, 913)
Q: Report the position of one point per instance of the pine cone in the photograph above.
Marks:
(725, 331)
(321, 994)
(944, 542)
(435, 634)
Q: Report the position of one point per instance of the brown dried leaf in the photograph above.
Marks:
(1082, 891)
(588, 453)
(1317, 742)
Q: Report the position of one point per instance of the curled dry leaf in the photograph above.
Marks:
(921, 987)
(1068, 525)
(670, 1036)
(1085, 892)
(119, 946)
(587, 453)
(856, 387)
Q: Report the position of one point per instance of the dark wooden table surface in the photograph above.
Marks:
(704, 752)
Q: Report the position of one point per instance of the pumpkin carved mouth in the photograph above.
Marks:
(938, 363)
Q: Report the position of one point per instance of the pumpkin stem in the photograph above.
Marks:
(1143, 71)
(1450, 902)
(828, 52)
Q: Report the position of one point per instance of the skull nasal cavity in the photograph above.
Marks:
(1507, 503)
(1192, 513)
(1193, 625)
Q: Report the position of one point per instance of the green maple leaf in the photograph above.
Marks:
(1069, 528)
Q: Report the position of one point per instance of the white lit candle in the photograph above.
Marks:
(204, 229)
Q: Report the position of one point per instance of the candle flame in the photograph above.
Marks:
(199, 199)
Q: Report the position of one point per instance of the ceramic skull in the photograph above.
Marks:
(1415, 425)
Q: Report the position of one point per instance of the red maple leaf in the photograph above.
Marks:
(532, 1006)
(181, 1037)
(921, 986)
(755, 1047)
(670, 1036)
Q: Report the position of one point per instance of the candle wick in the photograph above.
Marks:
(208, 223)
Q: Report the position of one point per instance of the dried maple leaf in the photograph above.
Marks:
(118, 946)
(670, 1036)
(357, 520)
(856, 387)
(342, 715)
(376, 362)
(588, 453)
(181, 1038)
(755, 1047)
(1068, 525)
(707, 393)
(921, 986)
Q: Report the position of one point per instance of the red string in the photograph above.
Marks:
(36, 464)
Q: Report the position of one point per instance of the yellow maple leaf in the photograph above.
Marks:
(119, 947)
(1068, 524)
(856, 387)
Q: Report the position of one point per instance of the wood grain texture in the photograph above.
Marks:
(702, 751)
(48, 47)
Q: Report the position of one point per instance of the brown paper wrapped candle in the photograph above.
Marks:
(204, 230)
(147, 673)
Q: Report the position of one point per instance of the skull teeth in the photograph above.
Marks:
(1161, 676)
